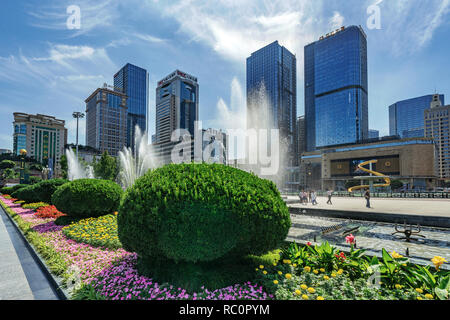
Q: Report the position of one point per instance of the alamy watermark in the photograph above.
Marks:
(374, 19)
(74, 19)
(262, 147)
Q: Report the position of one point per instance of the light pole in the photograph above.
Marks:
(78, 115)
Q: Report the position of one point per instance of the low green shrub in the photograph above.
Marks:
(12, 189)
(86, 198)
(35, 205)
(38, 192)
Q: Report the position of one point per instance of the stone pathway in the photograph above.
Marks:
(20, 276)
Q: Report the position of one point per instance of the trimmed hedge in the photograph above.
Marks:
(39, 192)
(84, 198)
(12, 189)
(201, 212)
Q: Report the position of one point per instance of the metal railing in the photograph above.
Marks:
(406, 194)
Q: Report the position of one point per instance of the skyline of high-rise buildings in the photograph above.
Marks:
(336, 89)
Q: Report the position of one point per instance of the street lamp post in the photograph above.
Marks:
(78, 115)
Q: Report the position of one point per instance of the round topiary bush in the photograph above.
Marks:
(201, 212)
(86, 198)
(39, 192)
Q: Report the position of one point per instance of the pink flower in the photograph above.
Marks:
(309, 243)
(350, 239)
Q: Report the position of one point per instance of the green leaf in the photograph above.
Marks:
(442, 294)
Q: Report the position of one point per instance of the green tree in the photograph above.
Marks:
(106, 167)
(7, 164)
(64, 166)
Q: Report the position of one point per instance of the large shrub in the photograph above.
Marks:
(200, 212)
(85, 198)
(39, 192)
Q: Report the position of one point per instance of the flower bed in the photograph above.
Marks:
(88, 254)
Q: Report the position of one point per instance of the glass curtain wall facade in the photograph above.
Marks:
(336, 89)
(406, 116)
(274, 68)
(134, 81)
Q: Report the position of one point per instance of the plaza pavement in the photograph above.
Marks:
(424, 207)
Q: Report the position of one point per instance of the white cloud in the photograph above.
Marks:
(94, 15)
(336, 21)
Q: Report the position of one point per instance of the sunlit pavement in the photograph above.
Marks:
(431, 207)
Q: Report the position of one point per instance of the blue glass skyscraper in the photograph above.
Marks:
(275, 68)
(133, 81)
(406, 116)
(336, 103)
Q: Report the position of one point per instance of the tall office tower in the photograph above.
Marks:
(44, 137)
(437, 127)
(133, 81)
(176, 108)
(374, 134)
(301, 135)
(272, 94)
(406, 116)
(106, 120)
(336, 103)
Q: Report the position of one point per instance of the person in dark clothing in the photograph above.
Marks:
(367, 197)
(330, 194)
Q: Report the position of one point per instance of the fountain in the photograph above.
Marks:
(134, 164)
(76, 170)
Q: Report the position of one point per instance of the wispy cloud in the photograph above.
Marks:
(94, 15)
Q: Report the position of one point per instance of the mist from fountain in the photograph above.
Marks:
(134, 165)
(76, 170)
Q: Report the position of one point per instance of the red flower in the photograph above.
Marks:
(309, 243)
(48, 212)
(350, 239)
(341, 256)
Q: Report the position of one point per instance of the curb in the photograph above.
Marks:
(55, 282)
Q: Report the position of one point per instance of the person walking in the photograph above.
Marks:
(330, 194)
(313, 198)
(309, 196)
(300, 196)
(367, 197)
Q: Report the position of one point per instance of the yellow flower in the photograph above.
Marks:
(429, 296)
(294, 265)
(322, 270)
(307, 269)
(256, 269)
(311, 290)
(333, 275)
(340, 271)
(419, 298)
(305, 297)
(265, 272)
(326, 277)
(274, 264)
(398, 286)
(419, 290)
(395, 255)
(438, 261)
(288, 276)
(275, 281)
(304, 286)
(280, 273)
(298, 292)
(315, 271)
(284, 261)
(261, 267)
(320, 298)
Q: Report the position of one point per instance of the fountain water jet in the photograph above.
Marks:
(76, 170)
(135, 164)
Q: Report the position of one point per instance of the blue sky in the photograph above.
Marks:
(47, 68)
